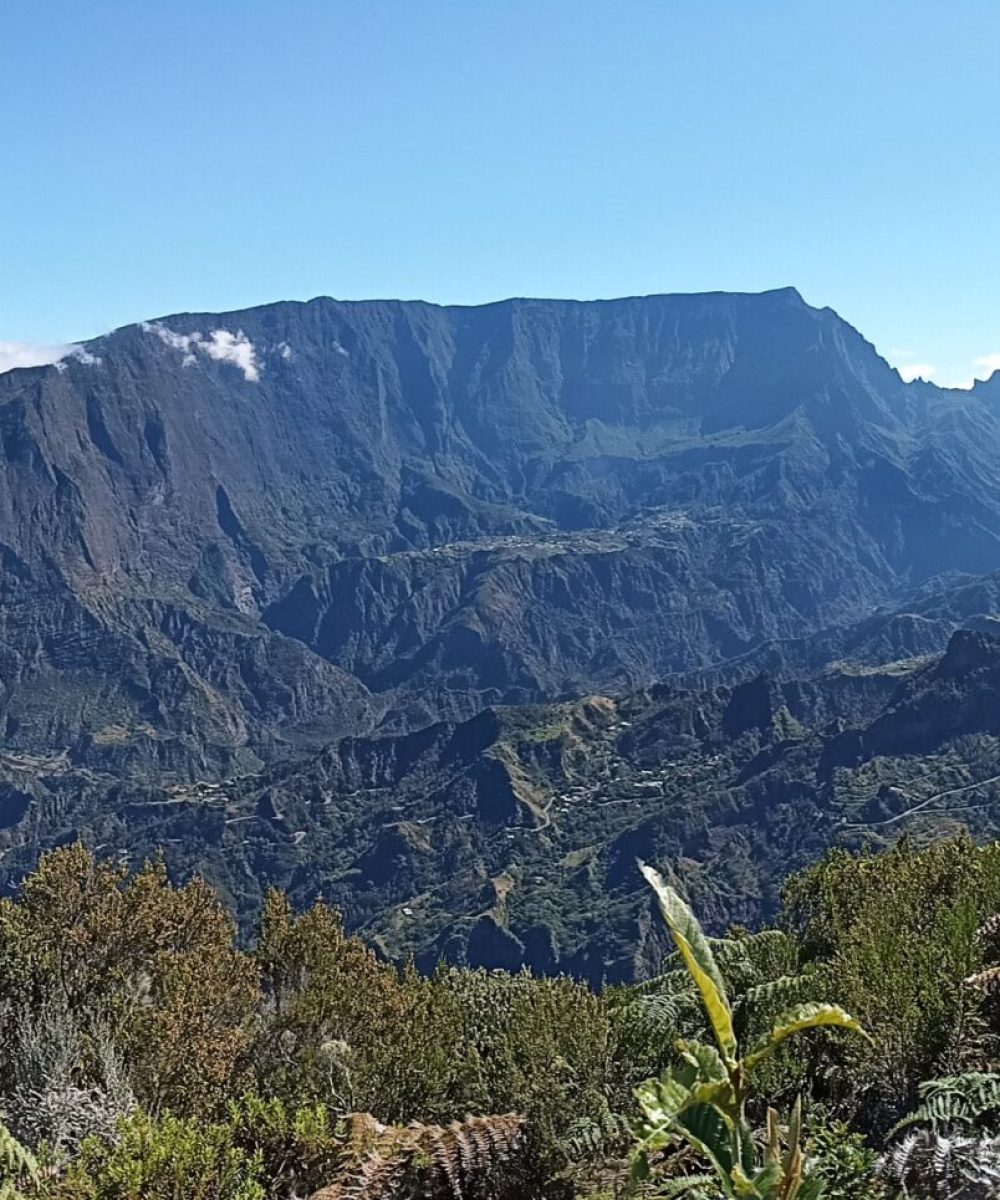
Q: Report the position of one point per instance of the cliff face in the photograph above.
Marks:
(226, 452)
(229, 540)
(528, 499)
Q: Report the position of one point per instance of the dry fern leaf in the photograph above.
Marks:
(465, 1160)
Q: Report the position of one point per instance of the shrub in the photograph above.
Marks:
(163, 1160)
(895, 937)
(155, 965)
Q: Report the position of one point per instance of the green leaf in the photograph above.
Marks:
(806, 1016)
(707, 1130)
(640, 1167)
(662, 1099)
(744, 1186)
(705, 1061)
(812, 1188)
(767, 1179)
(694, 949)
(705, 1076)
(16, 1163)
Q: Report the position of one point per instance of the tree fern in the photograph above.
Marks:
(931, 1166)
(782, 992)
(597, 1137)
(989, 929)
(970, 1101)
(987, 980)
(756, 970)
(692, 1187)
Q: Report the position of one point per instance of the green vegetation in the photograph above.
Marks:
(704, 1101)
(148, 1055)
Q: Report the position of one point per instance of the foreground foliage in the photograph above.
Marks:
(704, 1101)
(148, 1055)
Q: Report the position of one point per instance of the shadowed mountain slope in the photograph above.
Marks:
(228, 541)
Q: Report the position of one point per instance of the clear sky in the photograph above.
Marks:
(213, 154)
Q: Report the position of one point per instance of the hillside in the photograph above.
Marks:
(453, 610)
(510, 838)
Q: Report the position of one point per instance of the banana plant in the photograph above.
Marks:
(703, 1101)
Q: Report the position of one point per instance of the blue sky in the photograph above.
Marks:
(220, 153)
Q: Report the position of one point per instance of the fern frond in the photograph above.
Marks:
(597, 1137)
(459, 1161)
(785, 991)
(987, 981)
(686, 1185)
(990, 928)
(926, 1164)
(670, 983)
(748, 945)
(971, 1100)
(665, 1012)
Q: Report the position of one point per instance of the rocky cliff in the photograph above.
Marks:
(228, 541)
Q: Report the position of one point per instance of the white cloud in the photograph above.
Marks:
(178, 341)
(910, 371)
(235, 348)
(32, 354)
(27, 354)
(987, 364)
(220, 344)
(983, 368)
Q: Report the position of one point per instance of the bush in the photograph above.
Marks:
(299, 1148)
(163, 1160)
(895, 938)
(154, 964)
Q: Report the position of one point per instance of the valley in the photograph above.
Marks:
(448, 615)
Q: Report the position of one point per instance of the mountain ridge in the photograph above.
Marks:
(229, 542)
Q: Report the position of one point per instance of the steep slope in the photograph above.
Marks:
(511, 838)
(526, 500)
(284, 589)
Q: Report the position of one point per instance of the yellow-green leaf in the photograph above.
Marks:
(694, 949)
(806, 1016)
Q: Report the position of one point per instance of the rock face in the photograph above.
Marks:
(528, 499)
(228, 541)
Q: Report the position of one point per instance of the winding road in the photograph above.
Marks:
(967, 787)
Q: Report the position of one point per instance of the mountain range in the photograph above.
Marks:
(447, 613)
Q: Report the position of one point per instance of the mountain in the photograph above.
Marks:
(236, 548)
(510, 838)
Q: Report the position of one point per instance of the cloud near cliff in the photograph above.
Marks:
(29, 354)
(35, 354)
(219, 344)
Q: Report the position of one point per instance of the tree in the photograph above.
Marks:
(154, 965)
